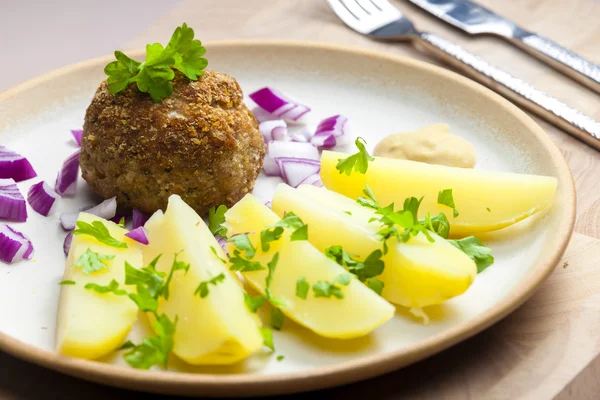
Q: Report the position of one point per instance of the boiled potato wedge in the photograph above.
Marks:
(417, 273)
(216, 329)
(90, 324)
(359, 312)
(509, 197)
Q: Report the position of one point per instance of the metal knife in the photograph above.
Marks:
(475, 19)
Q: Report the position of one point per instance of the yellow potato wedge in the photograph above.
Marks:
(216, 329)
(509, 197)
(417, 273)
(359, 312)
(90, 324)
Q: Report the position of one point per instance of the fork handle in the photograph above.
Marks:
(552, 110)
(564, 60)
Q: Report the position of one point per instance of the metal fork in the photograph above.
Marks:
(380, 20)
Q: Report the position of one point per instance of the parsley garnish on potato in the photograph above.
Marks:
(90, 261)
(476, 250)
(358, 162)
(98, 231)
(203, 289)
(445, 198)
(153, 76)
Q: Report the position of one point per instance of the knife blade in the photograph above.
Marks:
(475, 19)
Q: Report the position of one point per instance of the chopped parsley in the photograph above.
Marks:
(302, 287)
(488, 209)
(371, 267)
(176, 266)
(280, 358)
(202, 289)
(214, 251)
(277, 318)
(155, 348)
(91, 261)
(329, 289)
(112, 287)
(476, 250)
(216, 219)
(358, 162)
(121, 222)
(254, 302)
(267, 335)
(375, 285)
(66, 282)
(98, 231)
(269, 235)
(239, 263)
(369, 201)
(153, 76)
(445, 198)
(243, 243)
(438, 224)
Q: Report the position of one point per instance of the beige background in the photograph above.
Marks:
(547, 348)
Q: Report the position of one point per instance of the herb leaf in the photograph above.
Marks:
(445, 198)
(375, 285)
(98, 231)
(112, 287)
(176, 266)
(214, 251)
(216, 218)
(269, 235)
(300, 233)
(369, 201)
(267, 335)
(358, 162)
(254, 302)
(155, 348)
(238, 263)
(66, 282)
(145, 301)
(154, 75)
(203, 286)
(476, 250)
(329, 289)
(302, 288)
(243, 243)
(91, 261)
(277, 318)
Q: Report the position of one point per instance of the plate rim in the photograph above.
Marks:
(182, 383)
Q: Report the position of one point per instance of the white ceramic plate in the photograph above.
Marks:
(380, 95)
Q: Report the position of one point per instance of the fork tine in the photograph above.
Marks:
(385, 6)
(349, 18)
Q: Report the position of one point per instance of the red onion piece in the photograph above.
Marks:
(332, 131)
(14, 246)
(262, 115)
(223, 243)
(295, 170)
(314, 180)
(278, 104)
(67, 243)
(139, 218)
(273, 130)
(66, 181)
(41, 197)
(138, 234)
(14, 166)
(77, 134)
(107, 210)
(12, 203)
(279, 149)
(299, 137)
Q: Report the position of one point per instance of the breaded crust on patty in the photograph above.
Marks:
(201, 143)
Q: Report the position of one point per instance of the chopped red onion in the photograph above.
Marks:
(67, 243)
(107, 210)
(295, 170)
(66, 181)
(223, 243)
(41, 197)
(279, 149)
(262, 115)
(314, 180)
(14, 246)
(12, 203)
(14, 166)
(332, 132)
(278, 104)
(139, 218)
(273, 130)
(138, 234)
(299, 137)
(77, 134)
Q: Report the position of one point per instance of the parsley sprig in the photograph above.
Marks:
(153, 76)
(202, 290)
(358, 162)
(98, 231)
(365, 271)
(90, 261)
(476, 250)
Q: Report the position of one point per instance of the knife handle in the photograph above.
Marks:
(565, 61)
(552, 110)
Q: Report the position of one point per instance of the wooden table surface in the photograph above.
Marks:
(548, 348)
